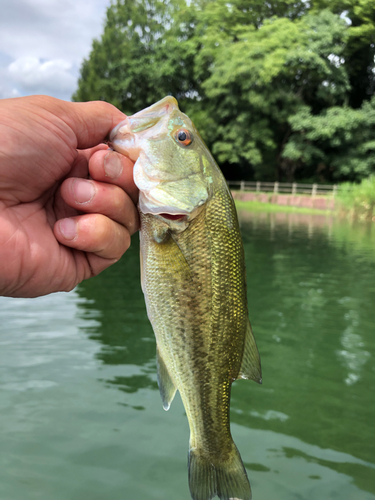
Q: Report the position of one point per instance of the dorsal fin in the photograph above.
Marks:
(250, 366)
(166, 386)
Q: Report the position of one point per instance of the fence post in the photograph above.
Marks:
(258, 186)
(294, 188)
(276, 188)
(334, 192)
(242, 186)
(314, 188)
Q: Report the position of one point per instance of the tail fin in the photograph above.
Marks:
(227, 480)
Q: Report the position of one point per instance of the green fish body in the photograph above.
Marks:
(193, 279)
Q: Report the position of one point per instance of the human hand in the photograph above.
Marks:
(67, 203)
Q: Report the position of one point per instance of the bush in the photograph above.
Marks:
(358, 199)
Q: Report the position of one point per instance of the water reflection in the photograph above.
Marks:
(362, 472)
(311, 295)
(123, 328)
(353, 354)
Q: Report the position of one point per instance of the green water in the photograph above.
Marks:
(80, 413)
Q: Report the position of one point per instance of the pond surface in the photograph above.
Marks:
(80, 413)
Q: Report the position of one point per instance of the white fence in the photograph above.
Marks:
(285, 187)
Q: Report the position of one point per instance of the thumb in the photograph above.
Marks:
(92, 121)
(89, 122)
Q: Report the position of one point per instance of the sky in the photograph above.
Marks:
(43, 44)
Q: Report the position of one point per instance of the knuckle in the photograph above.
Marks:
(121, 240)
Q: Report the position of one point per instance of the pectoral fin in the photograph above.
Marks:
(166, 386)
(250, 367)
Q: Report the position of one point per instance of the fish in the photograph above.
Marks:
(194, 283)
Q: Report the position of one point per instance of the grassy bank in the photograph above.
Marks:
(358, 200)
(256, 206)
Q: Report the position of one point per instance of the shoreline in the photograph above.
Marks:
(257, 206)
(286, 202)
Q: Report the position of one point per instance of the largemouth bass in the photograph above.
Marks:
(193, 280)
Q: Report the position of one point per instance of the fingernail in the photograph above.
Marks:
(112, 165)
(83, 191)
(68, 227)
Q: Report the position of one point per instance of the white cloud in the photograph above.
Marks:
(50, 29)
(49, 77)
(43, 43)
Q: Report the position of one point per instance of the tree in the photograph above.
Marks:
(121, 66)
(267, 76)
(259, 79)
(340, 139)
(359, 51)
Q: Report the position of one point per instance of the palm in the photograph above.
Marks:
(37, 255)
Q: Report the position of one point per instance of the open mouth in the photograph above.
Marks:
(172, 217)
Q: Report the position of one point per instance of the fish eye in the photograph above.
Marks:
(184, 137)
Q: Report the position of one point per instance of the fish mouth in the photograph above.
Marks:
(122, 139)
(173, 216)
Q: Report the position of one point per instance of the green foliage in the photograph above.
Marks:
(360, 49)
(267, 76)
(339, 138)
(131, 66)
(358, 199)
(278, 90)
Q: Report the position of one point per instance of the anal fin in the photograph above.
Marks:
(166, 386)
(250, 366)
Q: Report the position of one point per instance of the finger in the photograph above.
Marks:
(114, 168)
(94, 233)
(79, 169)
(98, 264)
(87, 153)
(101, 198)
(80, 166)
(92, 121)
